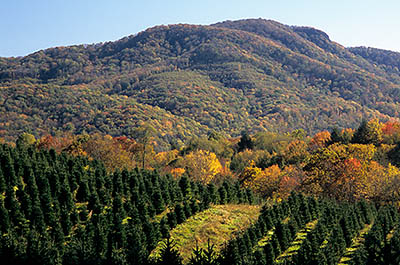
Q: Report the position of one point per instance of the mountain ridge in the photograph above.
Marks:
(231, 76)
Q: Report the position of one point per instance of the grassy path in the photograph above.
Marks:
(356, 242)
(217, 223)
(296, 243)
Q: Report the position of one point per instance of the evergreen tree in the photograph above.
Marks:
(245, 142)
(197, 257)
(180, 213)
(187, 209)
(212, 193)
(185, 186)
(283, 234)
(231, 255)
(223, 195)
(3, 184)
(5, 223)
(158, 200)
(169, 254)
(172, 219)
(259, 257)
(164, 227)
(361, 136)
(275, 245)
(209, 254)
(194, 206)
(270, 253)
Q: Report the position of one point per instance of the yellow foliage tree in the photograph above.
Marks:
(162, 160)
(348, 172)
(110, 151)
(295, 152)
(202, 165)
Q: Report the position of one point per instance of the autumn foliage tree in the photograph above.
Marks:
(202, 165)
(264, 182)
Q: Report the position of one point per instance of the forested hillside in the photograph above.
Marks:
(186, 80)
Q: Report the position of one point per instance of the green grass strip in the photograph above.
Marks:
(297, 242)
(356, 243)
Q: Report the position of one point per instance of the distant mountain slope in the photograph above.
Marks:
(186, 80)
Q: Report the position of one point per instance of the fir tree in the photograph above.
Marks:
(212, 193)
(172, 219)
(187, 209)
(245, 142)
(158, 200)
(169, 254)
(361, 136)
(180, 213)
(185, 186)
(283, 234)
(275, 245)
(270, 253)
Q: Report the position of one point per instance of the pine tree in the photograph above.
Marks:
(185, 186)
(137, 251)
(3, 184)
(293, 227)
(197, 257)
(270, 253)
(304, 253)
(153, 235)
(223, 195)
(361, 136)
(231, 255)
(169, 254)
(283, 235)
(245, 142)
(172, 219)
(212, 193)
(180, 213)
(275, 245)
(187, 209)
(209, 254)
(158, 200)
(359, 257)
(194, 207)
(5, 223)
(259, 257)
(164, 227)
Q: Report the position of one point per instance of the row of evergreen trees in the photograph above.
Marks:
(382, 243)
(58, 209)
(336, 227)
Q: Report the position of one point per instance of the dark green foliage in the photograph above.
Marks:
(69, 210)
(283, 234)
(361, 136)
(269, 253)
(66, 210)
(206, 256)
(245, 142)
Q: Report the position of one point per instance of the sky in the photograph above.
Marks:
(27, 26)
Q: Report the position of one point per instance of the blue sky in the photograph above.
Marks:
(27, 26)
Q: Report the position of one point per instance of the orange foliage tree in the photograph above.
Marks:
(264, 182)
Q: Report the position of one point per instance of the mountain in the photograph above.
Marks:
(188, 80)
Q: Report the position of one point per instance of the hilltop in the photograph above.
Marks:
(187, 80)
